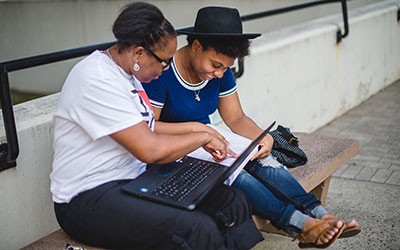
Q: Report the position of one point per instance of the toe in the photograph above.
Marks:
(325, 238)
(352, 223)
(339, 225)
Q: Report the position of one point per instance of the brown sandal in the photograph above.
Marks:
(322, 226)
(348, 231)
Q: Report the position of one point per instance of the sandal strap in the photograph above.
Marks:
(318, 225)
(330, 217)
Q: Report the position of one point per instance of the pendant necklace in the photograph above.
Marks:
(196, 94)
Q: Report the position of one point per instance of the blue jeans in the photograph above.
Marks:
(276, 195)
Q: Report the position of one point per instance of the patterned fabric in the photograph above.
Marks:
(286, 148)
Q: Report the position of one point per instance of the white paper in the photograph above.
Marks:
(238, 144)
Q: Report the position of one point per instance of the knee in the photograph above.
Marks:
(203, 233)
(243, 179)
(239, 208)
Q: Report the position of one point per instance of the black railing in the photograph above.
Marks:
(9, 151)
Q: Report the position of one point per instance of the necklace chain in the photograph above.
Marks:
(196, 94)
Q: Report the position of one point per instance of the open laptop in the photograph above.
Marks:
(186, 182)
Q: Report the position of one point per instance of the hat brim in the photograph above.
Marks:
(211, 35)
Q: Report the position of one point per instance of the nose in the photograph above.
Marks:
(166, 68)
(219, 73)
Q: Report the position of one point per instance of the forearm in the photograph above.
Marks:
(172, 147)
(150, 147)
(174, 128)
(248, 128)
(245, 126)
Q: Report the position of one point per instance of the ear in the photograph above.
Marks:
(138, 52)
(196, 46)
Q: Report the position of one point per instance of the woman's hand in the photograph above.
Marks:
(202, 127)
(265, 147)
(218, 149)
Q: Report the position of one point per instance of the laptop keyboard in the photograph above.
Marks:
(184, 182)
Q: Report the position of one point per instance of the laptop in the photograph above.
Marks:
(186, 182)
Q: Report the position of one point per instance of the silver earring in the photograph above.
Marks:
(136, 67)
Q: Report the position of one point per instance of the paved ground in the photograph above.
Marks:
(368, 187)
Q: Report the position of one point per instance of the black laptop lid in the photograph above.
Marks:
(245, 153)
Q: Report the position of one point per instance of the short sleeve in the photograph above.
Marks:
(228, 85)
(157, 91)
(100, 104)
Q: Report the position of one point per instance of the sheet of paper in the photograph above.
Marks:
(238, 144)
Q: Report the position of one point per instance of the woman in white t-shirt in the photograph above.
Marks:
(104, 137)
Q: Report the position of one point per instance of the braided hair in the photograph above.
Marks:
(141, 23)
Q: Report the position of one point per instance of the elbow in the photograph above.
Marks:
(149, 158)
(153, 157)
(232, 122)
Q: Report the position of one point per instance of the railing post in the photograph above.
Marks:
(240, 70)
(8, 151)
(339, 34)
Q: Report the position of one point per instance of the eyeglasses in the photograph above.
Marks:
(163, 63)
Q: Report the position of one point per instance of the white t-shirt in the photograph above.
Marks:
(97, 99)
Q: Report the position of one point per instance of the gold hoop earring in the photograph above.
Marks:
(136, 67)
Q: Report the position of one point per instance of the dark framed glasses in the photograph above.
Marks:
(163, 63)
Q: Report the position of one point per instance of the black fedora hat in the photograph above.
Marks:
(218, 22)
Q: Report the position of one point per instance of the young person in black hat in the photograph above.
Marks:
(200, 81)
(103, 138)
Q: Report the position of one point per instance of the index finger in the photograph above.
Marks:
(230, 152)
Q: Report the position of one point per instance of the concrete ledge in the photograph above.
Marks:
(325, 156)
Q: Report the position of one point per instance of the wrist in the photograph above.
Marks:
(196, 126)
(206, 137)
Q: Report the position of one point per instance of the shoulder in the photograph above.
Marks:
(228, 75)
(163, 81)
(94, 78)
(227, 80)
(92, 68)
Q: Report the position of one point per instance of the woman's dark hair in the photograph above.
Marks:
(141, 23)
(232, 47)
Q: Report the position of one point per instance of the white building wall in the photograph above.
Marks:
(303, 79)
(297, 76)
(33, 27)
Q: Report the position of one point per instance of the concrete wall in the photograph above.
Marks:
(297, 76)
(33, 27)
(26, 211)
(304, 79)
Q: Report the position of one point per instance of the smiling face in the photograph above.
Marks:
(150, 66)
(207, 63)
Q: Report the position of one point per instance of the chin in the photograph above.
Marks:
(147, 80)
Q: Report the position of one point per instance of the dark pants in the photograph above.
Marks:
(108, 217)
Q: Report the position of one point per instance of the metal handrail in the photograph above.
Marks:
(9, 151)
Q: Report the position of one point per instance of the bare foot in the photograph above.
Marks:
(319, 232)
(351, 224)
(351, 228)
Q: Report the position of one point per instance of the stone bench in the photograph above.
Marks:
(325, 156)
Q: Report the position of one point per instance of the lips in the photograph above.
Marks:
(208, 77)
